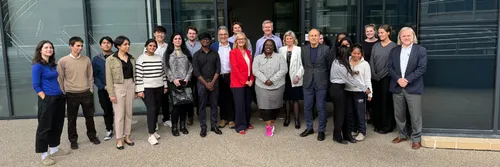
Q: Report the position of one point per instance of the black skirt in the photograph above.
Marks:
(292, 93)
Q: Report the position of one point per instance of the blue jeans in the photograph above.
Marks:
(309, 94)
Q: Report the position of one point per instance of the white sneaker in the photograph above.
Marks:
(354, 133)
(157, 136)
(109, 135)
(157, 127)
(360, 137)
(167, 123)
(152, 140)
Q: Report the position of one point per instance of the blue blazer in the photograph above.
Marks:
(417, 65)
(215, 46)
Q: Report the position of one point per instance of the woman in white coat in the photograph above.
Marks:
(293, 86)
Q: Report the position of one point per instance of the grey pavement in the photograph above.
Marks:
(286, 148)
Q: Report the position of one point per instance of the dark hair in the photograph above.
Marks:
(192, 28)
(345, 39)
(204, 35)
(107, 38)
(38, 56)
(75, 39)
(160, 29)
(171, 48)
(274, 45)
(238, 23)
(336, 42)
(343, 53)
(149, 41)
(358, 46)
(386, 28)
(120, 40)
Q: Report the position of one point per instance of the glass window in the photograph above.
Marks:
(397, 14)
(26, 23)
(164, 17)
(337, 16)
(4, 108)
(460, 74)
(128, 19)
(199, 13)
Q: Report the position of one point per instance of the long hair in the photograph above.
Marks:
(343, 53)
(238, 35)
(275, 50)
(171, 49)
(335, 42)
(345, 39)
(415, 40)
(38, 55)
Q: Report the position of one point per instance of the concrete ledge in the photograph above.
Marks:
(461, 143)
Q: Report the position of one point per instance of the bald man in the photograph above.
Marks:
(316, 64)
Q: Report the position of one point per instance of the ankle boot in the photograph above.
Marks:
(175, 131)
(287, 119)
(183, 128)
(297, 123)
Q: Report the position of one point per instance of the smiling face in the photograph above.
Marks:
(205, 42)
(47, 50)
(159, 36)
(124, 47)
(267, 28)
(241, 40)
(268, 47)
(77, 47)
(151, 48)
(289, 41)
(237, 28)
(356, 54)
(345, 43)
(370, 32)
(191, 34)
(177, 41)
(313, 37)
(382, 34)
(406, 37)
(223, 36)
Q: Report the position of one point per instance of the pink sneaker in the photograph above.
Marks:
(269, 131)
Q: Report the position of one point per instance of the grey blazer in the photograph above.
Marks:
(318, 72)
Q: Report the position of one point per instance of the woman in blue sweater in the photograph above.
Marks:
(50, 103)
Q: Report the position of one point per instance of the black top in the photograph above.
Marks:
(127, 69)
(206, 64)
(314, 54)
(367, 49)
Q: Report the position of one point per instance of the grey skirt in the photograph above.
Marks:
(269, 99)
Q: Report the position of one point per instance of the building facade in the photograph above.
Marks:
(462, 81)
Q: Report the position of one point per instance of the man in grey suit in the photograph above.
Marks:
(316, 62)
(407, 65)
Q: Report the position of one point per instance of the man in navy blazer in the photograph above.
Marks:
(407, 66)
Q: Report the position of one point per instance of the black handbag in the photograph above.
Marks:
(180, 95)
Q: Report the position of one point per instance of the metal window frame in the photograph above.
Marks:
(10, 105)
(496, 108)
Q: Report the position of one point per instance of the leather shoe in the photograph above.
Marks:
(415, 145)
(190, 121)
(95, 140)
(341, 141)
(74, 145)
(321, 136)
(351, 140)
(398, 140)
(130, 144)
(203, 133)
(175, 131)
(306, 132)
(216, 130)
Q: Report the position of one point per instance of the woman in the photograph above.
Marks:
(269, 69)
(367, 45)
(339, 37)
(120, 84)
(51, 103)
(346, 41)
(178, 66)
(383, 109)
(340, 74)
(151, 85)
(293, 81)
(356, 98)
(241, 82)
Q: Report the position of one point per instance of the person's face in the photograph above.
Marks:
(205, 42)
(356, 54)
(406, 37)
(242, 39)
(151, 48)
(369, 32)
(382, 34)
(159, 36)
(340, 36)
(192, 35)
(177, 41)
(268, 47)
(345, 43)
(267, 28)
(314, 37)
(47, 50)
(125, 46)
(289, 40)
(321, 40)
(106, 46)
(237, 28)
(77, 48)
(223, 35)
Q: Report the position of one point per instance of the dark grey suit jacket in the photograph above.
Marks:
(415, 70)
(317, 72)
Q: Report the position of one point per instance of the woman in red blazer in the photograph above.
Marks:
(241, 82)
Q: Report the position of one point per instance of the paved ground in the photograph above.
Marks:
(286, 148)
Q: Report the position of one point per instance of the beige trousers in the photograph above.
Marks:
(123, 107)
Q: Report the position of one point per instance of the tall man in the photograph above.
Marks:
(316, 62)
(99, 67)
(237, 28)
(407, 65)
(77, 83)
(206, 67)
(226, 104)
(193, 46)
(267, 27)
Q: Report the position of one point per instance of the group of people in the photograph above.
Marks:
(277, 73)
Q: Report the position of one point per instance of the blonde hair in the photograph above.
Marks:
(235, 45)
(415, 40)
(291, 34)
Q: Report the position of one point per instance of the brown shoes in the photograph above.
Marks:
(398, 140)
(415, 145)
(232, 125)
(222, 123)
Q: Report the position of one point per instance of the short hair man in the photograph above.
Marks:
(237, 28)
(192, 44)
(267, 28)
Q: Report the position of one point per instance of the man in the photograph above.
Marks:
(227, 105)
(77, 83)
(237, 28)
(98, 66)
(407, 65)
(206, 67)
(316, 62)
(193, 46)
(267, 27)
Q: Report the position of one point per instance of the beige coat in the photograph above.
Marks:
(114, 72)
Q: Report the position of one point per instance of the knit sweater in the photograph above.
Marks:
(149, 72)
(75, 74)
(44, 79)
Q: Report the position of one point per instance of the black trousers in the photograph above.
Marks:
(342, 117)
(165, 107)
(226, 102)
(356, 104)
(242, 105)
(383, 107)
(50, 122)
(205, 96)
(152, 99)
(73, 102)
(107, 106)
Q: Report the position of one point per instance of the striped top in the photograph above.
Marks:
(149, 73)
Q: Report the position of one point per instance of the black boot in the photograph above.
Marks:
(175, 131)
(287, 119)
(297, 123)
(183, 128)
